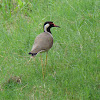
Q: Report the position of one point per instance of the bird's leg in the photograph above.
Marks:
(46, 58)
(46, 61)
(42, 65)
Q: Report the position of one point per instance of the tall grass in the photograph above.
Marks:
(72, 71)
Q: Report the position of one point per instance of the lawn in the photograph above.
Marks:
(73, 67)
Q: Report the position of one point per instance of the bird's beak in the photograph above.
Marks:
(56, 26)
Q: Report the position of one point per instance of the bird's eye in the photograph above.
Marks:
(51, 24)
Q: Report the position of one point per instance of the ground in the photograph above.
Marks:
(72, 71)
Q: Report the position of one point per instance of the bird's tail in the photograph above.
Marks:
(33, 54)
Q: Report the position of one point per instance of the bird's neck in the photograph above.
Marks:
(47, 28)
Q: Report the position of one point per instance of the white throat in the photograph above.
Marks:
(45, 27)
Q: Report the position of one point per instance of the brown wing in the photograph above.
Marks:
(43, 42)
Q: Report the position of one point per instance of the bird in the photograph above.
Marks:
(44, 41)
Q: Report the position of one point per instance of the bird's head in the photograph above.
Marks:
(48, 25)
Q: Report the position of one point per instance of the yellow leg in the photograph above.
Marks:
(46, 58)
(42, 65)
(46, 61)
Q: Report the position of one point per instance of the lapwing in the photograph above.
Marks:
(43, 42)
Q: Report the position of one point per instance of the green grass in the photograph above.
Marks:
(73, 69)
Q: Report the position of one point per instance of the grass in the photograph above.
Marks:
(72, 72)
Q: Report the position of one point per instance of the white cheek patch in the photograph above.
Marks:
(45, 27)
